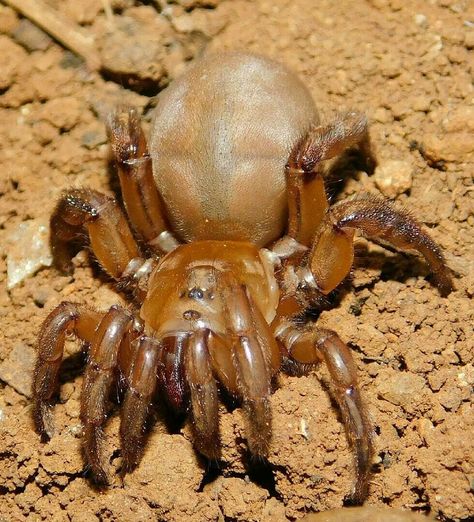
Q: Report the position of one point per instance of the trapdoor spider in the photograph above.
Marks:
(230, 206)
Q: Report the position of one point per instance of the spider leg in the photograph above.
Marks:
(329, 231)
(254, 358)
(307, 200)
(65, 318)
(141, 378)
(99, 377)
(316, 345)
(203, 392)
(332, 253)
(110, 236)
(143, 202)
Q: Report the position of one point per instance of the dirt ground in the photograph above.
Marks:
(409, 66)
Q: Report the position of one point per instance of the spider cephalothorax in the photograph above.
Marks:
(230, 207)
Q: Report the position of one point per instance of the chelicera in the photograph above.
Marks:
(232, 239)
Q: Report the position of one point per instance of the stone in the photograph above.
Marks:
(17, 369)
(27, 250)
(394, 177)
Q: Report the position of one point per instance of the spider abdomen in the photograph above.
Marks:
(220, 141)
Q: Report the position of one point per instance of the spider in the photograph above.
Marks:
(232, 239)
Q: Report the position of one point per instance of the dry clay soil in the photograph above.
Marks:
(409, 66)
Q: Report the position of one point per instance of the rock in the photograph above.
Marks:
(421, 103)
(382, 115)
(9, 20)
(83, 12)
(274, 511)
(240, 500)
(63, 113)
(455, 139)
(62, 455)
(208, 22)
(457, 147)
(394, 177)
(469, 39)
(134, 52)
(403, 389)
(170, 460)
(17, 369)
(27, 250)
(41, 295)
(93, 138)
(31, 37)
(460, 119)
(421, 20)
(390, 65)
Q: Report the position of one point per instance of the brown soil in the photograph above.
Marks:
(409, 66)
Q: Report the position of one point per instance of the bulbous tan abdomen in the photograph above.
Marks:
(220, 139)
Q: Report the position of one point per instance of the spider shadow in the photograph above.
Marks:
(397, 265)
(344, 168)
(391, 263)
(73, 366)
(257, 468)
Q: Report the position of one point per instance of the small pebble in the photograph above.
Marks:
(63, 113)
(455, 147)
(459, 119)
(382, 115)
(17, 369)
(400, 389)
(421, 103)
(394, 177)
(469, 40)
(421, 20)
(134, 51)
(31, 37)
(41, 295)
(12, 55)
(390, 66)
(73, 408)
(28, 250)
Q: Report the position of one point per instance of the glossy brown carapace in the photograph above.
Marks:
(232, 239)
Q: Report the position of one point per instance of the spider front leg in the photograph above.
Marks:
(104, 334)
(65, 318)
(140, 372)
(203, 394)
(312, 346)
(99, 378)
(152, 358)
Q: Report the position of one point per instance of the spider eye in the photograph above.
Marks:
(191, 315)
(195, 293)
